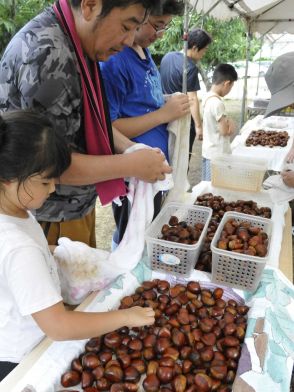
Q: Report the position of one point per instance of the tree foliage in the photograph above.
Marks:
(16, 13)
(228, 45)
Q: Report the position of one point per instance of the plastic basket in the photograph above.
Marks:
(236, 269)
(238, 173)
(175, 258)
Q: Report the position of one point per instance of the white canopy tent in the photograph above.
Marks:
(262, 16)
(275, 45)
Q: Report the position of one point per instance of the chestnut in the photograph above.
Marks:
(202, 382)
(90, 361)
(140, 365)
(131, 374)
(70, 378)
(112, 340)
(114, 374)
(179, 383)
(94, 344)
(151, 383)
(165, 374)
(87, 379)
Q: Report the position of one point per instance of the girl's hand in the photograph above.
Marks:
(138, 316)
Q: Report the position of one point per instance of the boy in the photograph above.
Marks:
(135, 97)
(217, 127)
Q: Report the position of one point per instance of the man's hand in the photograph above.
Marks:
(149, 165)
(175, 107)
(288, 177)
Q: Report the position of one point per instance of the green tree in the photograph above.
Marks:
(14, 14)
(228, 45)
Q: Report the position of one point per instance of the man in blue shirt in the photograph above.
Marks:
(134, 93)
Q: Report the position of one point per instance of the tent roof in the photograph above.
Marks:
(264, 16)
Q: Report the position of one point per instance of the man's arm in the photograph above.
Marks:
(146, 164)
(195, 112)
(176, 107)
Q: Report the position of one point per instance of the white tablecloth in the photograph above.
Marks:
(267, 357)
(275, 156)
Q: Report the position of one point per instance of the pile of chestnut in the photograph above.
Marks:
(267, 138)
(194, 345)
(181, 232)
(219, 207)
(243, 237)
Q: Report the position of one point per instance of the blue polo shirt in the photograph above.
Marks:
(133, 88)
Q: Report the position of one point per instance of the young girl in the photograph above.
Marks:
(31, 156)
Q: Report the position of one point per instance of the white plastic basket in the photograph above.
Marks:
(175, 258)
(238, 270)
(238, 173)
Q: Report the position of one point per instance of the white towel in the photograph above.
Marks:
(178, 150)
(278, 190)
(141, 197)
(83, 269)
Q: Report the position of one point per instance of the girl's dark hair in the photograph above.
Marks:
(199, 38)
(30, 145)
(224, 72)
(108, 5)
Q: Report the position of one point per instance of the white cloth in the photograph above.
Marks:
(28, 283)
(275, 156)
(178, 151)
(213, 142)
(83, 269)
(141, 197)
(278, 190)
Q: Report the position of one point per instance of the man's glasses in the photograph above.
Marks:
(159, 30)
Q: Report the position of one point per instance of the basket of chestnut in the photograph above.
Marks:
(194, 345)
(240, 250)
(175, 237)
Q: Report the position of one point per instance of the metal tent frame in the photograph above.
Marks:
(263, 16)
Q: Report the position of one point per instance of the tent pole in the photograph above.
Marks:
(244, 98)
(185, 39)
(257, 87)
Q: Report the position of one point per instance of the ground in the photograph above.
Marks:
(104, 218)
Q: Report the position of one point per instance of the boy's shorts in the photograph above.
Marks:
(206, 172)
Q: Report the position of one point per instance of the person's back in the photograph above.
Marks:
(172, 69)
(171, 72)
(217, 127)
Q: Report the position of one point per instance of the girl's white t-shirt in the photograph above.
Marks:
(213, 142)
(28, 283)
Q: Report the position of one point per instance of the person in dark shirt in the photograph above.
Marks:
(171, 71)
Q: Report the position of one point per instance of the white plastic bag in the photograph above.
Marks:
(82, 269)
